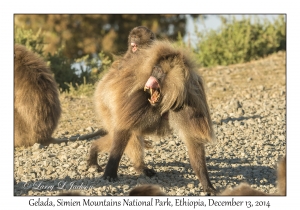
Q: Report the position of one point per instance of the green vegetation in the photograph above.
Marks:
(239, 41)
(65, 74)
(66, 41)
(95, 66)
(83, 89)
(92, 33)
(32, 41)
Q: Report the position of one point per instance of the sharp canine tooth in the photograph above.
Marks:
(151, 91)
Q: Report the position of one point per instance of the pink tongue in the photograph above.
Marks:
(152, 83)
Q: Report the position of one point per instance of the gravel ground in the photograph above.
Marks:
(248, 106)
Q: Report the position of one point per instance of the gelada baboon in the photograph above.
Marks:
(70, 193)
(246, 189)
(146, 190)
(156, 91)
(281, 176)
(139, 38)
(36, 101)
(142, 190)
(243, 189)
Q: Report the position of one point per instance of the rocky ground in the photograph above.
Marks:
(248, 107)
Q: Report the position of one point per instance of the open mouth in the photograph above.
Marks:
(133, 47)
(152, 86)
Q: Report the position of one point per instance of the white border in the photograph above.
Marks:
(8, 8)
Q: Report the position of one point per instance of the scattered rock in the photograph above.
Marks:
(250, 128)
(37, 146)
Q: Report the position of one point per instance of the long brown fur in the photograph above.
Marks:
(36, 101)
(139, 38)
(127, 115)
(70, 193)
(142, 190)
(147, 190)
(244, 189)
(281, 176)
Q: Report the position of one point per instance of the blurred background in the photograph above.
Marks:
(79, 48)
